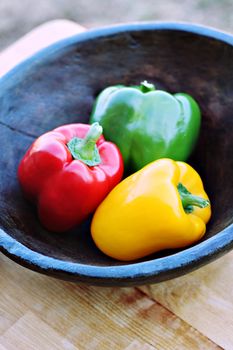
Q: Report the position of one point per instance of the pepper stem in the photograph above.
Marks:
(146, 87)
(87, 146)
(85, 149)
(189, 200)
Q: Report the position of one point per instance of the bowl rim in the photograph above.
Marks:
(133, 273)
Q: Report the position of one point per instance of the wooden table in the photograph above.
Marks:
(41, 313)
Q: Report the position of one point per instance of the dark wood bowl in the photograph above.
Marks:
(58, 86)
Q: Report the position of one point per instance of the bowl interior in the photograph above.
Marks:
(59, 87)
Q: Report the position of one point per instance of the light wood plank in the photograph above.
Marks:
(35, 40)
(203, 298)
(136, 345)
(29, 332)
(92, 317)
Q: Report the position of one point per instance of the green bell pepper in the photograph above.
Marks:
(148, 124)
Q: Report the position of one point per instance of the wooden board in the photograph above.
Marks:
(38, 312)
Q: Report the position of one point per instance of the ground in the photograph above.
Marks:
(18, 17)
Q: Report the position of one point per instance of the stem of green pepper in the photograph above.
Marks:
(85, 149)
(146, 87)
(189, 200)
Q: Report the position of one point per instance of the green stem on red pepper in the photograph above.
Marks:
(85, 149)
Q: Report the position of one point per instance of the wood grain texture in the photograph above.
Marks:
(34, 307)
(203, 298)
(30, 332)
(136, 345)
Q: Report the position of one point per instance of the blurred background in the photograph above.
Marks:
(19, 16)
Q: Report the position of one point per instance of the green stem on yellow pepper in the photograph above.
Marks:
(189, 200)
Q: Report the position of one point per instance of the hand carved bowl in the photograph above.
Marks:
(58, 86)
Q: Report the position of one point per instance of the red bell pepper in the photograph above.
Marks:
(67, 172)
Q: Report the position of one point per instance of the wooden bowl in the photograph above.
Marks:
(58, 86)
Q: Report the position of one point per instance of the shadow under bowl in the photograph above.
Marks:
(58, 86)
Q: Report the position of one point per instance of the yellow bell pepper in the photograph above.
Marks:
(161, 206)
